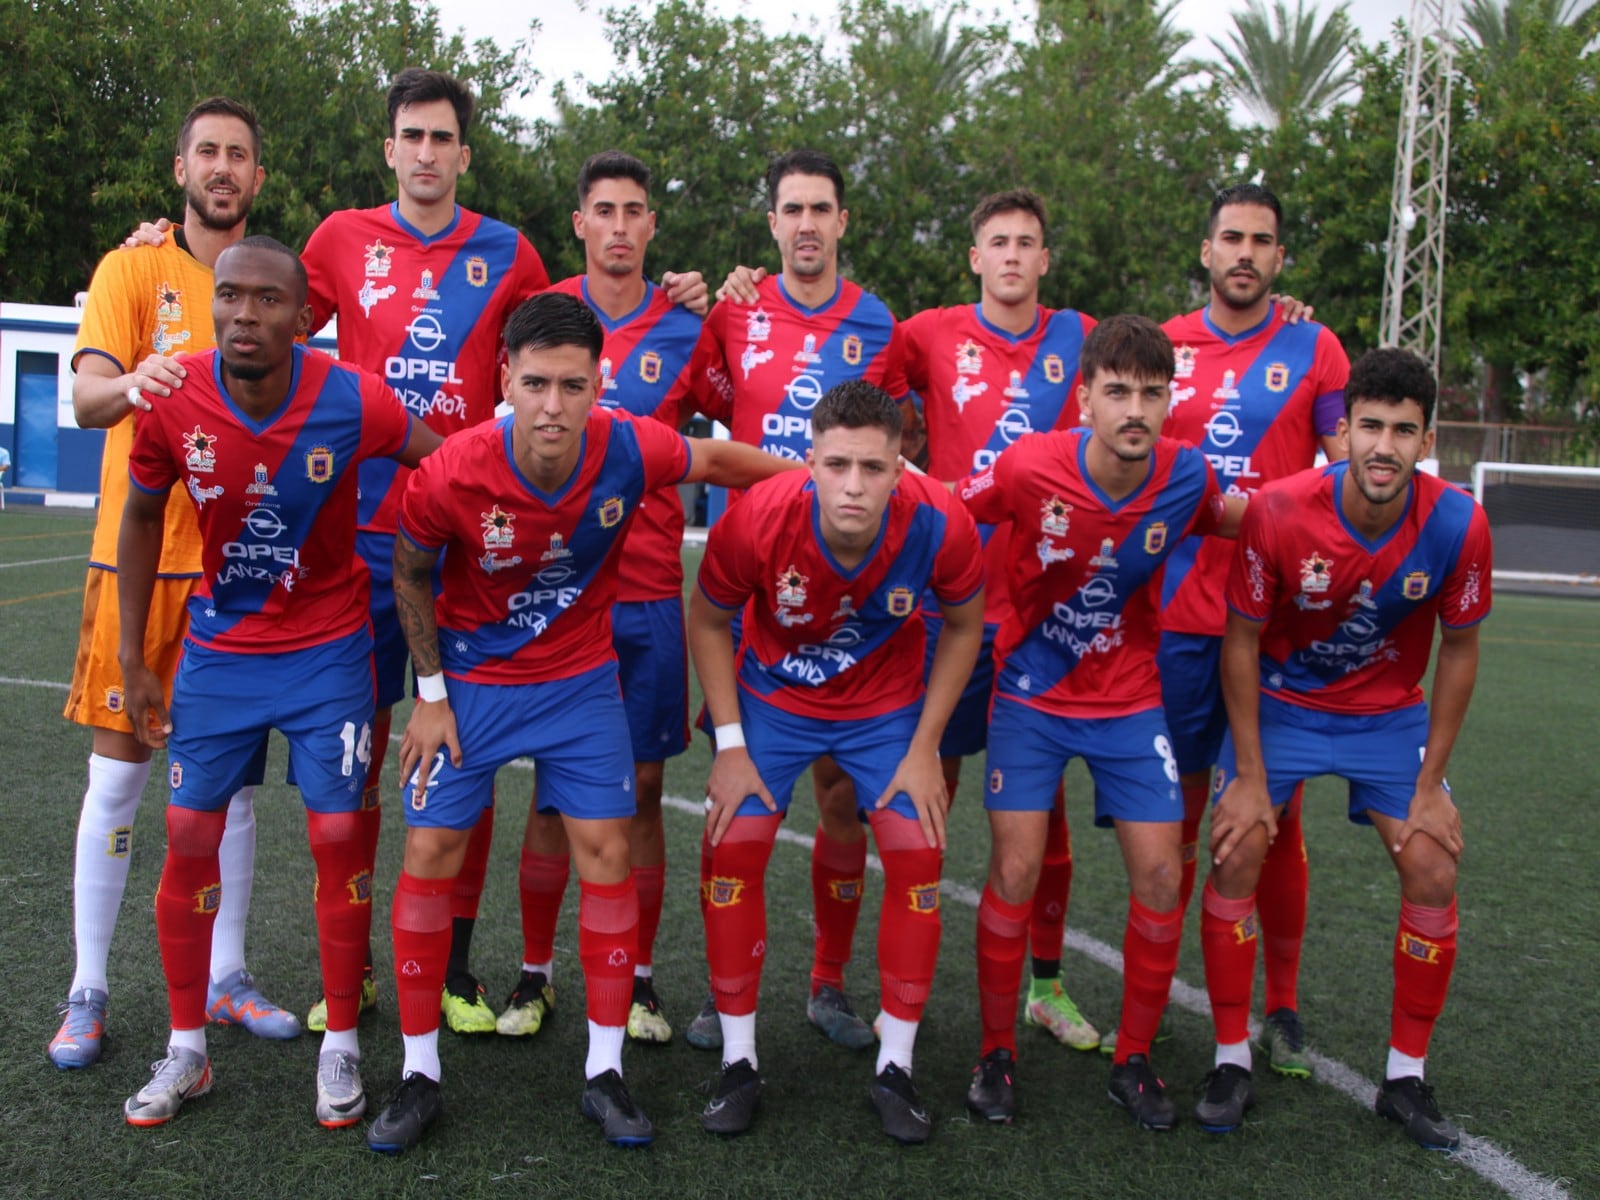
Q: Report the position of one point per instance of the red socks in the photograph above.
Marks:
(1149, 960)
(838, 877)
(1196, 799)
(1281, 903)
(1228, 936)
(608, 939)
(469, 880)
(370, 819)
(1002, 942)
(542, 882)
(421, 924)
(344, 910)
(186, 909)
(909, 928)
(1424, 956)
(734, 900)
(651, 884)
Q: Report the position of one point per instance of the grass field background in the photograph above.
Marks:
(1513, 1059)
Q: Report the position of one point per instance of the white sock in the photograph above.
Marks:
(548, 969)
(100, 871)
(1401, 1065)
(605, 1049)
(344, 1041)
(1238, 1054)
(422, 1055)
(237, 856)
(897, 1038)
(643, 970)
(188, 1039)
(738, 1038)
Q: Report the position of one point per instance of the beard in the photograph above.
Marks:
(246, 372)
(1220, 287)
(210, 215)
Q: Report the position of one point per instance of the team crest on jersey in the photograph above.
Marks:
(1419, 948)
(379, 258)
(1245, 930)
(477, 271)
(969, 358)
(169, 303)
(1184, 359)
(852, 350)
(807, 355)
(208, 899)
(792, 588)
(425, 289)
(723, 891)
(847, 891)
(650, 367)
(1014, 390)
(369, 296)
(319, 464)
(901, 601)
(120, 844)
(1054, 369)
(200, 451)
(1315, 574)
(114, 699)
(1155, 538)
(1363, 596)
(261, 485)
(497, 531)
(1053, 518)
(1229, 389)
(558, 549)
(359, 887)
(175, 775)
(1415, 585)
(924, 897)
(610, 512)
(1106, 560)
(996, 782)
(757, 326)
(1278, 377)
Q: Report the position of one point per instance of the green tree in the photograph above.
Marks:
(1283, 66)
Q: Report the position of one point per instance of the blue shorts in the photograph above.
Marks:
(574, 729)
(1130, 759)
(968, 729)
(1379, 755)
(1191, 693)
(868, 750)
(223, 704)
(653, 665)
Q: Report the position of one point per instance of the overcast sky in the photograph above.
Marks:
(570, 41)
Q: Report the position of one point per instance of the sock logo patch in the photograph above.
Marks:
(924, 897)
(1419, 948)
(723, 891)
(847, 891)
(359, 886)
(1245, 930)
(617, 958)
(120, 843)
(370, 798)
(208, 899)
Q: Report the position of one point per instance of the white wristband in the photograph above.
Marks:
(729, 736)
(431, 688)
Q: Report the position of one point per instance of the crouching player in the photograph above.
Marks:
(1340, 575)
(532, 509)
(1097, 511)
(833, 566)
(267, 437)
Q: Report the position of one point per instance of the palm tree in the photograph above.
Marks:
(1282, 65)
(1496, 25)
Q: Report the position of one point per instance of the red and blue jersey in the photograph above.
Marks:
(425, 312)
(275, 499)
(762, 367)
(1081, 638)
(1258, 404)
(644, 368)
(1349, 622)
(982, 388)
(530, 576)
(820, 640)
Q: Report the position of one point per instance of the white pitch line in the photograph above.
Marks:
(41, 562)
(38, 683)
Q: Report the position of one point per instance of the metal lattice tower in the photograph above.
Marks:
(1413, 281)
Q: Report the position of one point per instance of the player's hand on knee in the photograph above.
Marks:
(689, 289)
(921, 777)
(1434, 813)
(146, 706)
(432, 728)
(733, 777)
(1244, 804)
(148, 234)
(740, 285)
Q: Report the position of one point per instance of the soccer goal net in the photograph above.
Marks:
(1546, 522)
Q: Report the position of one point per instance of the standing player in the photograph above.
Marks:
(1340, 576)
(644, 368)
(265, 436)
(144, 305)
(774, 346)
(1259, 395)
(828, 571)
(532, 509)
(989, 373)
(1096, 511)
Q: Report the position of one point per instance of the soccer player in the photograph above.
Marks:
(775, 345)
(987, 374)
(146, 305)
(645, 369)
(265, 437)
(1260, 396)
(829, 570)
(532, 510)
(1096, 512)
(1340, 576)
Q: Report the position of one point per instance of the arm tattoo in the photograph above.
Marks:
(413, 602)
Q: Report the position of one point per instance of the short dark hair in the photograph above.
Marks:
(611, 164)
(415, 85)
(553, 319)
(1243, 193)
(1393, 376)
(260, 241)
(1016, 200)
(803, 162)
(857, 404)
(1133, 344)
(219, 106)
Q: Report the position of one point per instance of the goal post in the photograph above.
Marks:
(1545, 520)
